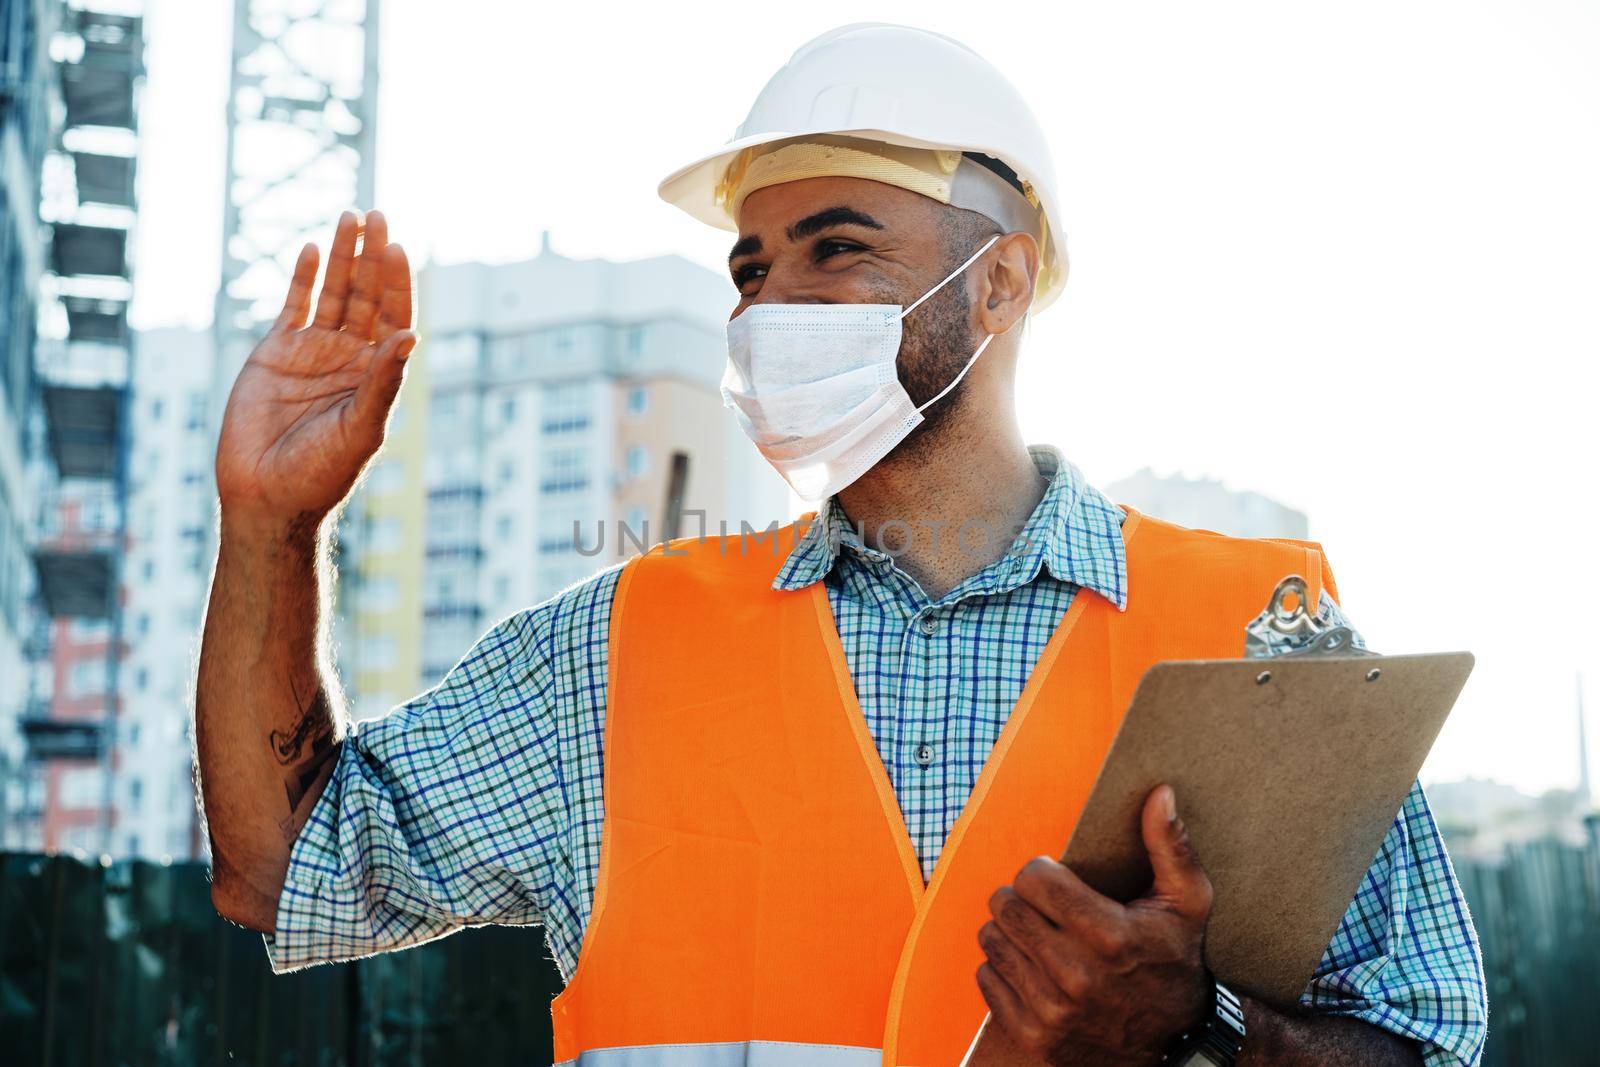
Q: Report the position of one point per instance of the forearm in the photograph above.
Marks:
(1284, 1039)
(266, 708)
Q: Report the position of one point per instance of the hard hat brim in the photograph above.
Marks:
(692, 187)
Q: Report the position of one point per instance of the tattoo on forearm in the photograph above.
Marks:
(315, 726)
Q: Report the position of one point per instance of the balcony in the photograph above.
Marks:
(84, 426)
(77, 249)
(53, 739)
(96, 320)
(461, 493)
(75, 583)
(99, 87)
(452, 612)
(464, 553)
(104, 179)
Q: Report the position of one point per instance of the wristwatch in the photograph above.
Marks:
(1216, 1040)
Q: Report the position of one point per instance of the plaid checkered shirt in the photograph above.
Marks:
(479, 801)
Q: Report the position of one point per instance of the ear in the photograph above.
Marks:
(1005, 288)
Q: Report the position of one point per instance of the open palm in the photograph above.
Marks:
(309, 407)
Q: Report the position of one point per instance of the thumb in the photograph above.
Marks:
(1180, 881)
(376, 393)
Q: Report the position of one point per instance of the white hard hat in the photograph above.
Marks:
(901, 86)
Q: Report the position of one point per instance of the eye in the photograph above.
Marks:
(746, 273)
(829, 247)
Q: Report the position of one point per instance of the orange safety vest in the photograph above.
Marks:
(758, 898)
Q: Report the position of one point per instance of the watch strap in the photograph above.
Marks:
(1217, 1039)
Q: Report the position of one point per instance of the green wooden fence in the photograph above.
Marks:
(127, 965)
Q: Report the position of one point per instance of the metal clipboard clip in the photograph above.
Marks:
(1282, 630)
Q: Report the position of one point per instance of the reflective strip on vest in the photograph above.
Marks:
(730, 1054)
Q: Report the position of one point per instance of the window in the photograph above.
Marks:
(79, 788)
(508, 471)
(508, 410)
(635, 342)
(638, 399)
(503, 527)
(566, 407)
(385, 535)
(387, 476)
(565, 471)
(83, 629)
(381, 594)
(378, 652)
(638, 461)
(87, 678)
(452, 353)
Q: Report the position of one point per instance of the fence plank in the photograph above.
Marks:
(130, 966)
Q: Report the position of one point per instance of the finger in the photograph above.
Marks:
(1179, 879)
(1023, 975)
(1046, 944)
(1062, 896)
(336, 283)
(394, 310)
(1008, 1009)
(375, 395)
(298, 303)
(361, 312)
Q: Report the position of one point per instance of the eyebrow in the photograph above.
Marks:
(833, 216)
(744, 247)
(807, 227)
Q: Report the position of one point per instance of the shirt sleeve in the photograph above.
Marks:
(445, 813)
(1405, 957)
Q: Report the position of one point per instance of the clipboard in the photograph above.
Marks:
(1285, 829)
(1288, 770)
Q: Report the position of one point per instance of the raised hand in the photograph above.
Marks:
(311, 404)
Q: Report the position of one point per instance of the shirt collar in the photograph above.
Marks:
(1075, 533)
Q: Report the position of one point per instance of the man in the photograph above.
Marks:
(788, 799)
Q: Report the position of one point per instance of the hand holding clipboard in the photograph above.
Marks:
(1288, 772)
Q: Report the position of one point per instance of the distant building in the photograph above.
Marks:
(86, 192)
(1481, 817)
(165, 578)
(546, 409)
(1205, 504)
(29, 92)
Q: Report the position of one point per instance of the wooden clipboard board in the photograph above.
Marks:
(1288, 773)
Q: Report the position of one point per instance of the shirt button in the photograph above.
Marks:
(923, 755)
(929, 625)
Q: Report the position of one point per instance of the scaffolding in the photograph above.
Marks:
(302, 111)
(83, 381)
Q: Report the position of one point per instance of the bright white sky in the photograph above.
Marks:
(1346, 255)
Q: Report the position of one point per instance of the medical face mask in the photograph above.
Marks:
(815, 386)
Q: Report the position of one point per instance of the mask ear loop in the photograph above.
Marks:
(989, 337)
(952, 274)
(957, 381)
